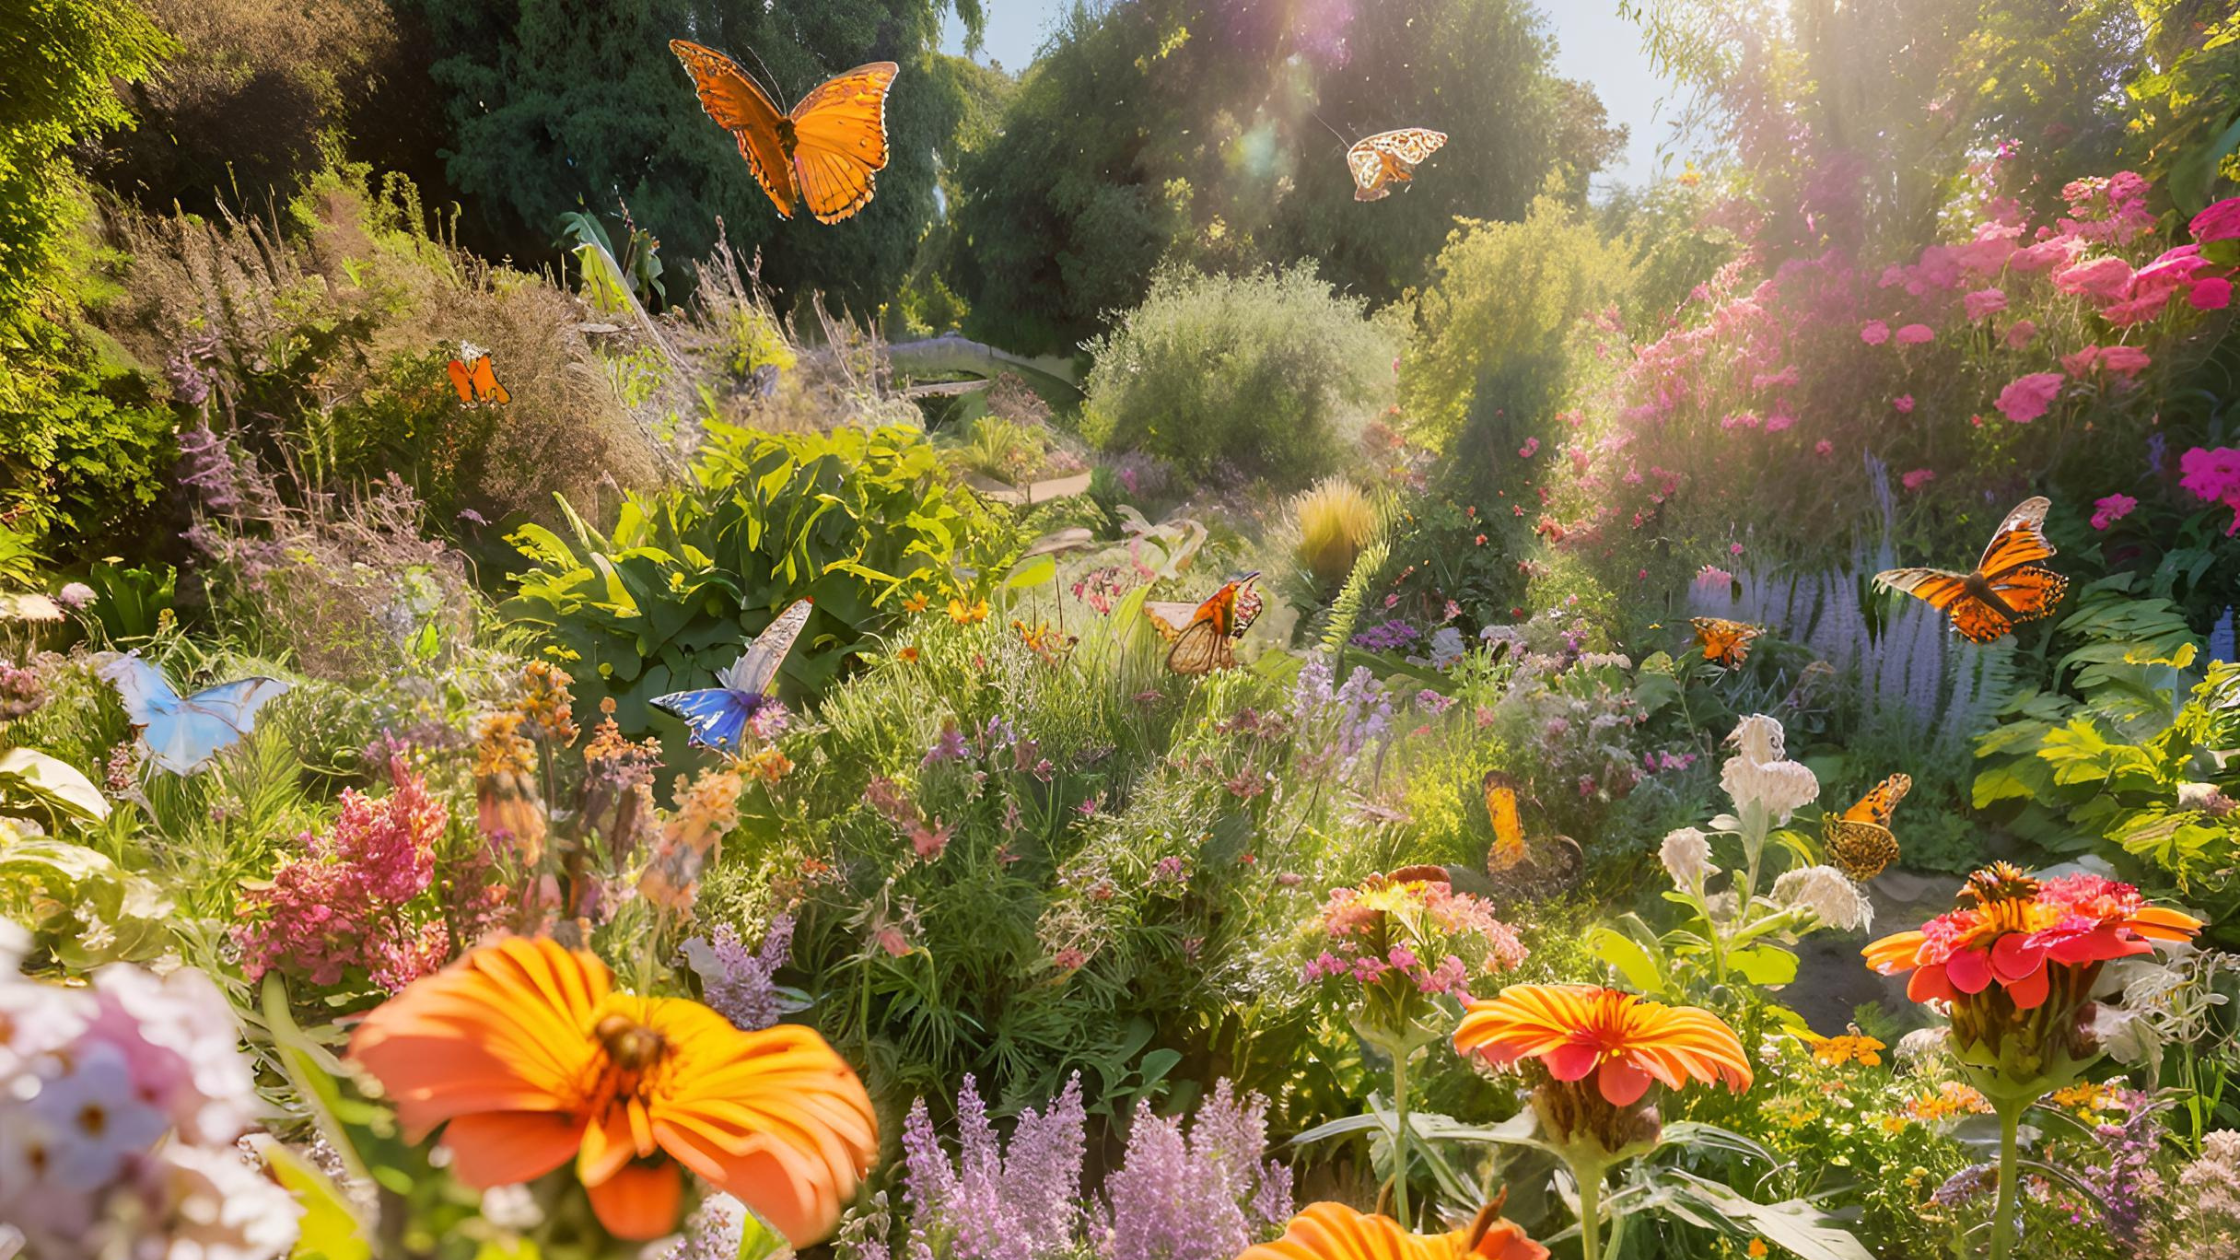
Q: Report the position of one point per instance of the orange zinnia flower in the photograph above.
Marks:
(1623, 1042)
(1333, 1231)
(529, 1058)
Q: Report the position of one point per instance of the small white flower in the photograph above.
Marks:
(1758, 737)
(512, 1207)
(93, 1116)
(213, 1206)
(1686, 855)
(1922, 1043)
(1780, 787)
(74, 595)
(1827, 894)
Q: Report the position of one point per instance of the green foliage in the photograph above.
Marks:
(558, 106)
(81, 907)
(2187, 90)
(1487, 370)
(854, 519)
(1271, 376)
(84, 447)
(1201, 133)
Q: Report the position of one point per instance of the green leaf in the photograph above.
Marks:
(1764, 964)
(1794, 1224)
(757, 1241)
(1040, 571)
(1642, 970)
(330, 1228)
(53, 781)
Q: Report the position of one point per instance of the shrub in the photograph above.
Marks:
(856, 519)
(1271, 376)
(1335, 521)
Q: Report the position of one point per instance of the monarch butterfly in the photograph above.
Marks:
(1859, 840)
(1724, 642)
(472, 378)
(2007, 586)
(1389, 157)
(1202, 632)
(824, 153)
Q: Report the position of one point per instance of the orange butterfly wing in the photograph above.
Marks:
(1860, 842)
(2019, 540)
(1201, 649)
(1170, 617)
(486, 386)
(462, 380)
(741, 108)
(1508, 823)
(2031, 591)
(1724, 642)
(840, 140)
(1389, 157)
(1878, 806)
(2009, 570)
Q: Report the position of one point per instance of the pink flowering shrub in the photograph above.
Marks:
(355, 898)
(2213, 476)
(1395, 942)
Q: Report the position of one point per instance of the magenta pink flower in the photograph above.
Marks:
(1530, 448)
(1823, 447)
(1919, 477)
(2124, 361)
(2027, 397)
(1904, 404)
(1778, 421)
(1916, 334)
(1734, 549)
(2220, 222)
(2051, 252)
(2214, 477)
(1982, 303)
(2019, 334)
(2213, 294)
(2107, 279)
(1874, 332)
(2172, 271)
(2111, 509)
(2136, 310)
(2080, 362)
(1713, 578)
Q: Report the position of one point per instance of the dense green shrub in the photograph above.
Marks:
(857, 520)
(1269, 376)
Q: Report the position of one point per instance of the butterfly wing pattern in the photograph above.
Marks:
(2007, 587)
(1389, 157)
(473, 378)
(1202, 641)
(1508, 823)
(718, 715)
(182, 734)
(823, 154)
(1859, 841)
(1724, 642)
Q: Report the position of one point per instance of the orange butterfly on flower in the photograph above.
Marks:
(915, 603)
(530, 1060)
(1724, 642)
(1859, 841)
(472, 377)
(1389, 157)
(1203, 633)
(824, 153)
(965, 614)
(2008, 585)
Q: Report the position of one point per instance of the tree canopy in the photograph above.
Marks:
(1214, 132)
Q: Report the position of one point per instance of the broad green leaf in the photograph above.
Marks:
(1764, 964)
(1632, 959)
(330, 1228)
(53, 781)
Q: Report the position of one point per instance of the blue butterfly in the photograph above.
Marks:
(182, 735)
(719, 715)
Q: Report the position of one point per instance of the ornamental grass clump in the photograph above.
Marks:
(2013, 968)
(1592, 1055)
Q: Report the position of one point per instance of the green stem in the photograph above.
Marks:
(1590, 1211)
(1400, 1135)
(2002, 1225)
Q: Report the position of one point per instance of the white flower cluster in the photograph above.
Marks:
(1827, 893)
(1686, 854)
(119, 1107)
(1759, 775)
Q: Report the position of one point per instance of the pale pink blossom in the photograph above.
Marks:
(2052, 252)
(2019, 334)
(1904, 404)
(1919, 477)
(2124, 361)
(2107, 279)
(1916, 334)
(1874, 332)
(1778, 421)
(2027, 397)
(1982, 303)
(1530, 448)
(1823, 447)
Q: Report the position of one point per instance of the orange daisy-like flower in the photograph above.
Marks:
(1333, 1231)
(529, 1058)
(1623, 1042)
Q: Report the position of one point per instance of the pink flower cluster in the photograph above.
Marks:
(343, 902)
(2113, 508)
(1391, 931)
(2214, 477)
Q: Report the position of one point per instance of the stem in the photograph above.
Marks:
(2002, 1225)
(1590, 1211)
(1400, 1135)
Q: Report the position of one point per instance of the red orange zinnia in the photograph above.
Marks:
(2012, 930)
(1333, 1231)
(529, 1058)
(1623, 1042)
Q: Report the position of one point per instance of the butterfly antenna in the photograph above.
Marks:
(1343, 143)
(779, 89)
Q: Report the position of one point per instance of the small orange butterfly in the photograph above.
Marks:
(825, 152)
(1202, 633)
(1389, 157)
(1859, 840)
(965, 614)
(2007, 586)
(915, 603)
(472, 377)
(1724, 642)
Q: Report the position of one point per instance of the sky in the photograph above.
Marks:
(1593, 44)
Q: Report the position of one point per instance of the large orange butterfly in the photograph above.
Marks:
(1724, 642)
(1389, 157)
(824, 153)
(1859, 840)
(1202, 633)
(472, 377)
(2007, 586)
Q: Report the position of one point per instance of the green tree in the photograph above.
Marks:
(553, 106)
(1213, 132)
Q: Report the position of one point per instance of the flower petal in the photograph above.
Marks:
(1622, 1083)
(1969, 970)
(641, 1202)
